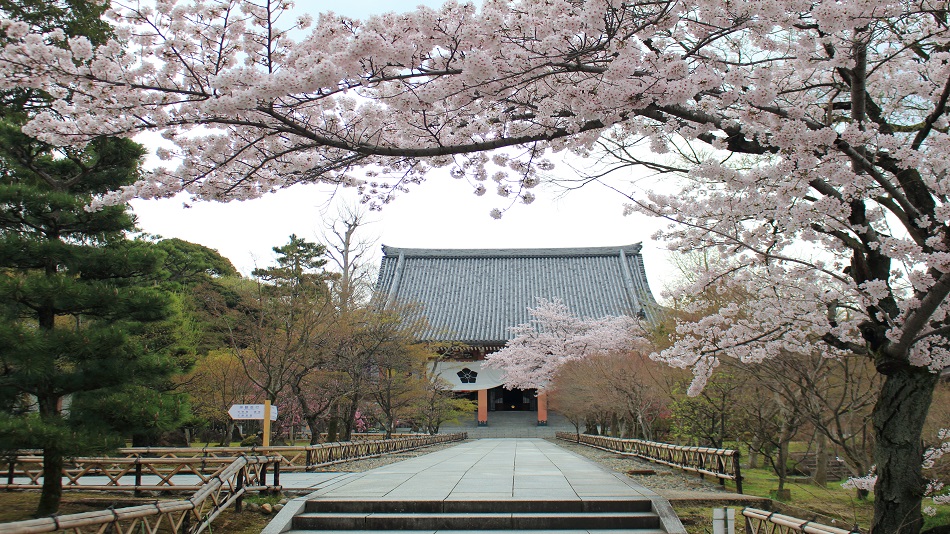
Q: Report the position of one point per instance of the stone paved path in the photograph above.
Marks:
(489, 470)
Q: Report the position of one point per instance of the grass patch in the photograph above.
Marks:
(809, 500)
(830, 505)
(696, 519)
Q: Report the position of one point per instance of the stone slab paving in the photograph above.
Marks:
(490, 470)
(512, 468)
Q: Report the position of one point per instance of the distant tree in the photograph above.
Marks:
(189, 264)
(217, 382)
(437, 404)
(834, 396)
(574, 394)
(554, 336)
(278, 326)
(622, 387)
(378, 357)
(710, 418)
(398, 378)
(348, 250)
(769, 422)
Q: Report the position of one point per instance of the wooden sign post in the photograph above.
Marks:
(265, 411)
(266, 442)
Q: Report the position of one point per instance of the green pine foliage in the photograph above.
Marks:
(88, 339)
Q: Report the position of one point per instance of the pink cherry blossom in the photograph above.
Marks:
(554, 336)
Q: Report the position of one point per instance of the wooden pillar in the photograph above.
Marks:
(266, 437)
(483, 407)
(542, 409)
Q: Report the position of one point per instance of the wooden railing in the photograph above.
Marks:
(204, 462)
(128, 473)
(762, 522)
(720, 463)
(190, 516)
(303, 457)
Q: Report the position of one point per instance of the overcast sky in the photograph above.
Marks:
(441, 213)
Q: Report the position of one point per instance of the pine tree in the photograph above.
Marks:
(77, 301)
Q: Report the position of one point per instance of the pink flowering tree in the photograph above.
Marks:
(816, 135)
(553, 336)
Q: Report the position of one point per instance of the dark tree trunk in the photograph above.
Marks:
(228, 433)
(350, 416)
(781, 465)
(333, 428)
(898, 424)
(52, 482)
(314, 423)
(50, 407)
(821, 460)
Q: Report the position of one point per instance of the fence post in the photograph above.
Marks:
(276, 474)
(721, 468)
(735, 463)
(240, 485)
(11, 472)
(702, 462)
(138, 476)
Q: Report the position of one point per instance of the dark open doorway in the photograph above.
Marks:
(507, 400)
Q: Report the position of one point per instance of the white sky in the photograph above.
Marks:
(441, 213)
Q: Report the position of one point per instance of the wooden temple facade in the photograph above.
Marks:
(472, 297)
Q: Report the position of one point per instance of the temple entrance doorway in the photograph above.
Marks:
(512, 400)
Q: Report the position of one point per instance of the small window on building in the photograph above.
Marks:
(467, 376)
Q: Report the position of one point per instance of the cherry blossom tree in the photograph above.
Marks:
(824, 125)
(553, 336)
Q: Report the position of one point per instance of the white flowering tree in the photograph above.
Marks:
(554, 336)
(825, 125)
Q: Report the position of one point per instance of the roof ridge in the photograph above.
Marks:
(634, 248)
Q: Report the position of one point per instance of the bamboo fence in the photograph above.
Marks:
(24, 470)
(191, 516)
(720, 463)
(763, 522)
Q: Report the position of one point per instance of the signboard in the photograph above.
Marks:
(251, 411)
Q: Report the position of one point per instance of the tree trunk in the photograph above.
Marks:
(52, 482)
(821, 460)
(899, 416)
(333, 428)
(350, 415)
(228, 434)
(590, 427)
(314, 423)
(781, 466)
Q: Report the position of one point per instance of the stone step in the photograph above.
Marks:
(444, 531)
(476, 521)
(478, 506)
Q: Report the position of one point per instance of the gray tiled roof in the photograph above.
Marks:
(476, 295)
